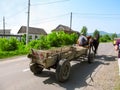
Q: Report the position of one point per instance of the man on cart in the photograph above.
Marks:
(82, 40)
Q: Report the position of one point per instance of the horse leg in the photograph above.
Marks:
(96, 47)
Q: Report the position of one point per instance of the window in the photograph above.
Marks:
(36, 37)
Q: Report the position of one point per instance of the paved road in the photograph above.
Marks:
(15, 74)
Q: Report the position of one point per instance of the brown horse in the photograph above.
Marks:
(94, 42)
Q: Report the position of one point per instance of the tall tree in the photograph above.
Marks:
(114, 35)
(96, 33)
(84, 30)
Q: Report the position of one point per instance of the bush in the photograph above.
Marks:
(42, 43)
(54, 39)
(105, 38)
(8, 44)
(57, 39)
(11, 47)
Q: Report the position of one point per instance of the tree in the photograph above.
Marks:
(105, 38)
(84, 30)
(96, 32)
(114, 36)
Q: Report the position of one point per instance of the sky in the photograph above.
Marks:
(103, 15)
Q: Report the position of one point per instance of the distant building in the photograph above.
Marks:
(7, 34)
(64, 28)
(6, 31)
(34, 33)
(11, 35)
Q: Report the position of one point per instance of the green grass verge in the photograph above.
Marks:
(6, 54)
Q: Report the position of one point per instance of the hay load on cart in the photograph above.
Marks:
(59, 59)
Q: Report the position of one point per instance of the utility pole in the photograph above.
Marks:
(70, 20)
(28, 20)
(4, 26)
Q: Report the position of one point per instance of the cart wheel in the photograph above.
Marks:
(63, 70)
(35, 68)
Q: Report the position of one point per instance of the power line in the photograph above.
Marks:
(96, 13)
(17, 9)
(59, 1)
(54, 17)
(59, 16)
(51, 19)
(91, 15)
(16, 13)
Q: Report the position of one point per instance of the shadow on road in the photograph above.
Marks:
(106, 57)
(80, 72)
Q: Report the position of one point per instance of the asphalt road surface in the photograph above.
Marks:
(15, 73)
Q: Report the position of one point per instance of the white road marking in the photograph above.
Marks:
(25, 70)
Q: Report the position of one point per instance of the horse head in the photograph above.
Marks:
(90, 40)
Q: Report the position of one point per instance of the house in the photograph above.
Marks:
(34, 33)
(64, 28)
(7, 34)
(6, 31)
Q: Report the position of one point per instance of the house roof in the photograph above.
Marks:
(64, 28)
(32, 30)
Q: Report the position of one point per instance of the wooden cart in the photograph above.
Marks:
(59, 59)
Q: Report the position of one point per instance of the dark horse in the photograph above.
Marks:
(94, 42)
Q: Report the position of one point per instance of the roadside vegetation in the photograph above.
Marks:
(12, 46)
